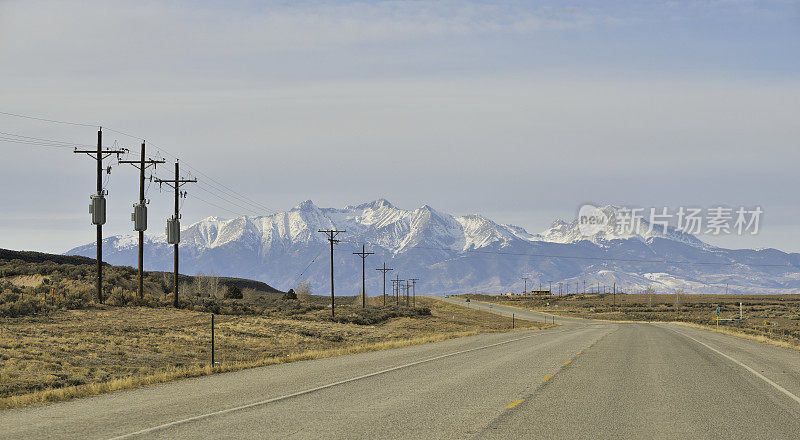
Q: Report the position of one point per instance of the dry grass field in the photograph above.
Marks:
(70, 353)
(772, 317)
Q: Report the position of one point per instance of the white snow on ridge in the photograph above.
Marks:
(399, 230)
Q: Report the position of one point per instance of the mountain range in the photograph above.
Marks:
(455, 254)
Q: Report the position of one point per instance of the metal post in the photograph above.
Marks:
(212, 341)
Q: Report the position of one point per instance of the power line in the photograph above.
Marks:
(48, 120)
(224, 188)
(42, 140)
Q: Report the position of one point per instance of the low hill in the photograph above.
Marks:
(28, 263)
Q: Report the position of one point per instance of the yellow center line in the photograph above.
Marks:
(514, 403)
(548, 377)
(566, 363)
(588, 346)
(580, 352)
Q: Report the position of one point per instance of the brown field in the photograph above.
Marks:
(70, 353)
(773, 317)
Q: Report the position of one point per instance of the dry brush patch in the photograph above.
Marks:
(73, 353)
(774, 318)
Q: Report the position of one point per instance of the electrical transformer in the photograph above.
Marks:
(173, 231)
(139, 217)
(98, 209)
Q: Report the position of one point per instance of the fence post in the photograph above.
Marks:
(212, 340)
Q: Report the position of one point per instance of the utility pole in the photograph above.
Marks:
(584, 287)
(174, 224)
(408, 290)
(384, 270)
(397, 292)
(98, 206)
(550, 289)
(414, 289)
(332, 233)
(363, 254)
(614, 304)
(139, 216)
(525, 280)
(560, 288)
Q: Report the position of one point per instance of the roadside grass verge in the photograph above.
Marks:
(75, 353)
(742, 333)
(171, 374)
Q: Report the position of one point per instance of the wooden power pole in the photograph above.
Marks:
(363, 254)
(98, 207)
(140, 224)
(173, 225)
(332, 233)
(384, 269)
(414, 290)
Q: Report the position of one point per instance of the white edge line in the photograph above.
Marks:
(739, 363)
(311, 390)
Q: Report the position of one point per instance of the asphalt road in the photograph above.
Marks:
(582, 379)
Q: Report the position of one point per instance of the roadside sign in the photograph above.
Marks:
(717, 310)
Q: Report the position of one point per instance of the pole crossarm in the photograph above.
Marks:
(147, 163)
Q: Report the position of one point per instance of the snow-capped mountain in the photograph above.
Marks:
(449, 254)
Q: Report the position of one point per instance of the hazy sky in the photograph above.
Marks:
(519, 111)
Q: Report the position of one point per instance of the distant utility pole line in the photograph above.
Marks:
(408, 285)
(614, 303)
(363, 254)
(414, 289)
(525, 280)
(174, 224)
(384, 269)
(140, 210)
(98, 207)
(332, 233)
(397, 286)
